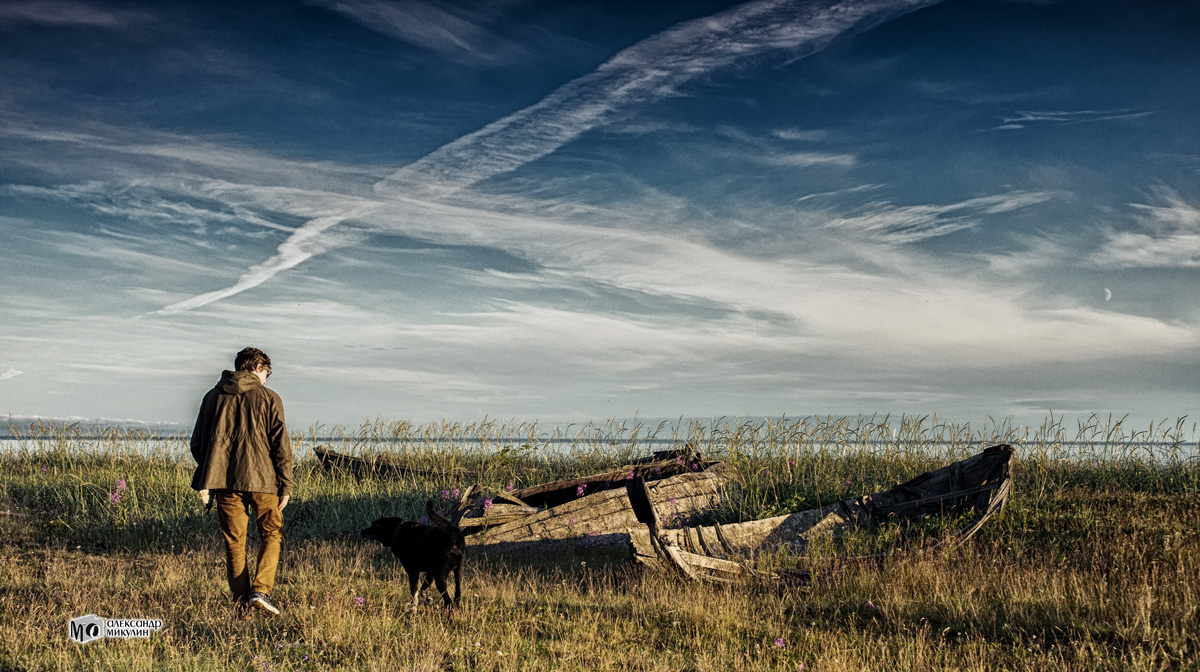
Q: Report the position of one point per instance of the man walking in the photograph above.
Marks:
(244, 458)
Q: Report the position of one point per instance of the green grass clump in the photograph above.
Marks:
(1094, 564)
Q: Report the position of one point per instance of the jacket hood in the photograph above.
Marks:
(238, 382)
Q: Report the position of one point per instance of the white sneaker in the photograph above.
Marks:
(263, 601)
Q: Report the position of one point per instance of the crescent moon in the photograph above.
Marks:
(1107, 294)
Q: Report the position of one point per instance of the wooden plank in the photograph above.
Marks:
(696, 560)
(644, 549)
(682, 565)
(508, 496)
(500, 510)
(496, 521)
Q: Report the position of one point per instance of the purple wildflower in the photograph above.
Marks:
(360, 601)
(847, 481)
(679, 459)
(454, 493)
(581, 489)
(780, 643)
(509, 487)
(424, 520)
(487, 504)
(695, 466)
(445, 495)
(114, 497)
(44, 469)
(629, 477)
(792, 463)
(658, 471)
(673, 502)
(571, 520)
(801, 668)
(766, 472)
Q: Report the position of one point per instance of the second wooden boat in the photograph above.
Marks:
(977, 485)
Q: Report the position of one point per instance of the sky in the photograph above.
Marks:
(570, 211)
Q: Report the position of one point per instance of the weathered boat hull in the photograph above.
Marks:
(597, 521)
(978, 484)
(381, 466)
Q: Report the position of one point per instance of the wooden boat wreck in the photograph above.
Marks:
(979, 484)
(594, 510)
(361, 466)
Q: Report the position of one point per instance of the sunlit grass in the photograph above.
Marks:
(1094, 564)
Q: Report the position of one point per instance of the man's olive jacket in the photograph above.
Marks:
(240, 441)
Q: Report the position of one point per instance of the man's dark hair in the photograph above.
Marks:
(250, 359)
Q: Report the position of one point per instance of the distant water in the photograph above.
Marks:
(178, 448)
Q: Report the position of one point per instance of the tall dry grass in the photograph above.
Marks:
(1094, 564)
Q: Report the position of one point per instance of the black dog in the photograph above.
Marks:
(424, 548)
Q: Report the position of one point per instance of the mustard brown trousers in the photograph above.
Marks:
(232, 508)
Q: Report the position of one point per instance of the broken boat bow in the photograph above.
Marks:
(979, 484)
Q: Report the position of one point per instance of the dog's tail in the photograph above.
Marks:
(441, 520)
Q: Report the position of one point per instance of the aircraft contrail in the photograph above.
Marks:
(650, 70)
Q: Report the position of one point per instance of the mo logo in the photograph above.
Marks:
(85, 628)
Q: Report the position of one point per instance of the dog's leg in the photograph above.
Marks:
(441, 584)
(457, 584)
(413, 576)
(425, 585)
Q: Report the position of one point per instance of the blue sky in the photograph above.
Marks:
(568, 211)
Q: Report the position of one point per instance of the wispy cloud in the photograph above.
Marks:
(376, 375)
(66, 13)
(1170, 237)
(1023, 119)
(801, 135)
(146, 204)
(1036, 253)
(135, 370)
(895, 224)
(771, 153)
(650, 70)
(805, 159)
(119, 253)
(457, 30)
(147, 151)
(858, 188)
(10, 374)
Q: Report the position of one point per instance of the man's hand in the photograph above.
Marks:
(283, 502)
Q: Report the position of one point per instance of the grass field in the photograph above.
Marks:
(1094, 564)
